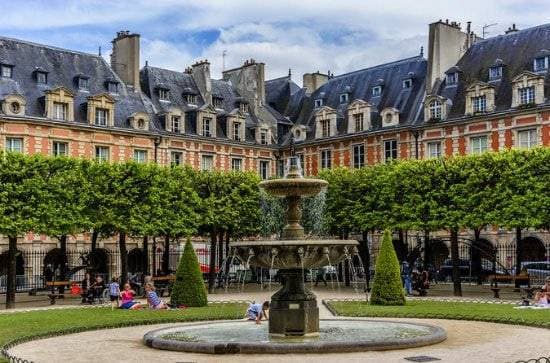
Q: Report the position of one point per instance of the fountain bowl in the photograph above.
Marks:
(294, 254)
(294, 187)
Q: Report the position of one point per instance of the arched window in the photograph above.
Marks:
(435, 109)
(389, 117)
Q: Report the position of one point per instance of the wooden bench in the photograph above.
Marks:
(519, 280)
(53, 295)
(163, 283)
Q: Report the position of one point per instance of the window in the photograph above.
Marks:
(176, 158)
(243, 107)
(236, 164)
(83, 84)
(302, 163)
(451, 79)
(407, 83)
(526, 95)
(478, 144)
(527, 139)
(435, 110)
(326, 159)
(318, 103)
(112, 87)
(434, 149)
(495, 73)
(325, 128)
(164, 94)
(102, 153)
(280, 167)
(207, 162)
(217, 101)
(15, 107)
(264, 169)
(101, 116)
(540, 64)
(176, 124)
(344, 97)
(358, 156)
(358, 121)
(14, 144)
(60, 148)
(237, 131)
(376, 91)
(59, 111)
(189, 98)
(388, 118)
(390, 149)
(206, 126)
(140, 156)
(263, 137)
(41, 77)
(479, 104)
(6, 71)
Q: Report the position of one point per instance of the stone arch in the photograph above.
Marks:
(439, 252)
(19, 263)
(533, 249)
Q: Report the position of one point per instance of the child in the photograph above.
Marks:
(258, 311)
(128, 299)
(114, 292)
(153, 299)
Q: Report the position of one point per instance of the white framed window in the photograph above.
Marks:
(526, 95)
(358, 122)
(60, 111)
(479, 104)
(60, 148)
(237, 131)
(434, 149)
(495, 73)
(451, 79)
(264, 169)
(207, 162)
(189, 98)
(140, 156)
(325, 128)
(390, 149)
(407, 83)
(236, 164)
(41, 77)
(435, 109)
(176, 124)
(528, 139)
(376, 91)
(358, 152)
(6, 71)
(101, 116)
(14, 144)
(263, 137)
(344, 97)
(102, 153)
(478, 144)
(112, 87)
(318, 102)
(243, 107)
(176, 158)
(83, 84)
(164, 94)
(540, 64)
(326, 159)
(206, 126)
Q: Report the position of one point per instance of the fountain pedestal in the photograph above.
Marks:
(293, 310)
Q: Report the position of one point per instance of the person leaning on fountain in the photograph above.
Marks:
(257, 312)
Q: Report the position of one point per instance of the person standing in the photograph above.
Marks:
(114, 292)
(321, 276)
(86, 283)
(406, 277)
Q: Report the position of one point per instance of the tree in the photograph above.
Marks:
(387, 288)
(189, 286)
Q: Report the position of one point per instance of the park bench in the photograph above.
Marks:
(519, 280)
(53, 295)
(163, 283)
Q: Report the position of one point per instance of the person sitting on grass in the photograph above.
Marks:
(542, 297)
(257, 312)
(127, 296)
(153, 299)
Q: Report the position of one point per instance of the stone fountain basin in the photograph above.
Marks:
(294, 187)
(287, 254)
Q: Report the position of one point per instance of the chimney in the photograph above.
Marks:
(201, 75)
(447, 43)
(249, 79)
(125, 58)
(313, 81)
(512, 29)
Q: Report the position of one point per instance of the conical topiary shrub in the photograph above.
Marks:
(189, 286)
(387, 288)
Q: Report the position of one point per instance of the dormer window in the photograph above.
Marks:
(112, 87)
(540, 64)
(176, 124)
(236, 131)
(435, 109)
(451, 79)
(526, 95)
(344, 98)
(376, 91)
(60, 111)
(217, 102)
(495, 73)
(190, 98)
(318, 103)
(358, 119)
(243, 107)
(263, 137)
(479, 104)
(164, 94)
(41, 77)
(325, 128)
(206, 126)
(6, 70)
(83, 83)
(407, 83)
(101, 116)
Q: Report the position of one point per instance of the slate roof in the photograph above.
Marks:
(63, 66)
(516, 51)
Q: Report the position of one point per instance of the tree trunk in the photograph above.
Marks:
(476, 257)
(95, 235)
(427, 247)
(146, 255)
(123, 257)
(457, 287)
(221, 250)
(63, 268)
(212, 266)
(166, 255)
(12, 271)
(154, 255)
(227, 252)
(365, 257)
(519, 253)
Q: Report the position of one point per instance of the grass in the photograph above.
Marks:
(35, 324)
(498, 313)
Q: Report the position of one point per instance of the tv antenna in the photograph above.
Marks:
(484, 31)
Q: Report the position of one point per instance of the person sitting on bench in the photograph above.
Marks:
(97, 288)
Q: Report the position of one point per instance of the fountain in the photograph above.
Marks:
(294, 315)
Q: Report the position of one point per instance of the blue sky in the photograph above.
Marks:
(306, 36)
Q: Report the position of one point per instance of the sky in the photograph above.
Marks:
(305, 36)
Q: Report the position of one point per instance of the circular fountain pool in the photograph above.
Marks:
(334, 336)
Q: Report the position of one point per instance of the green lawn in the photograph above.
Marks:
(25, 325)
(499, 313)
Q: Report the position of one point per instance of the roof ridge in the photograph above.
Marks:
(379, 66)
(513, 33)
(34, 44)
(277, 79)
